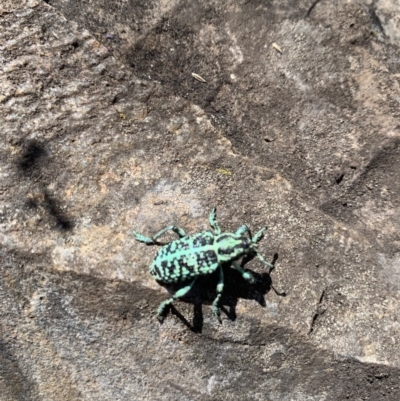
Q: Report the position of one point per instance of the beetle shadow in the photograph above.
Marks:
(236, 287)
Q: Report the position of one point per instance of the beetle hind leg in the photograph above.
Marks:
(153, 240)
(179, 294)
(142, 238)
(178, 231)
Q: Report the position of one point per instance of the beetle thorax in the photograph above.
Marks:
(230, 247)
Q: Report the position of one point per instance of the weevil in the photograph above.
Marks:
(183, 260)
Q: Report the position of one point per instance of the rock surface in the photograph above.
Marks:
(105, 129)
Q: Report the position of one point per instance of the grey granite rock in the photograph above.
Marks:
(105, 129)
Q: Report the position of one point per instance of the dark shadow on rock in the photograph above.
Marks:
(376, 21)
(31, 156)
(15, 385)
(53, 206)
(235, 288)
(312, 7)
(116, 306)
(380, 172)
(36, 165)
(152, 56)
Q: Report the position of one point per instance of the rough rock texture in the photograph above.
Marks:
(104, 129)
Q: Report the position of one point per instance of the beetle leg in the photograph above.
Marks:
(246, 275)
(220, 288)
(142, 238)
(258, 237)
(243, 230)
(179, 294)
(271, 266)
(213, 221)
(153, 240)
(178, 231)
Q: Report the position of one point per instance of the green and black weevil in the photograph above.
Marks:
(186, 258)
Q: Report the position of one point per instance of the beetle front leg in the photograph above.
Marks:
(246, 275)
(153, 240)
(179, 294)
(213, 221)
(258, 237)
(243, 230)
(220, 288)
(271, 266)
